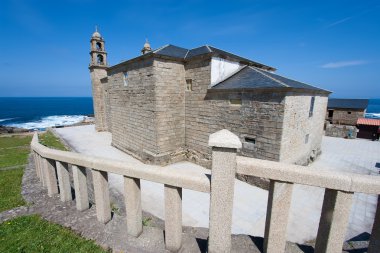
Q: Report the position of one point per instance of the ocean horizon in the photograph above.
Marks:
(44, 112)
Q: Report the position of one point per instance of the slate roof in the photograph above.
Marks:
(253, 78)
(187, 54)
(347, 103)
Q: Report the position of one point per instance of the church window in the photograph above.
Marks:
(99, 46)
(100, 59)
(235, 101)
(125, 78)
(311, 110)
(189, 84)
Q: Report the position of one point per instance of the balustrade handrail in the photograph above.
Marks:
(169, 176)
(343, 181)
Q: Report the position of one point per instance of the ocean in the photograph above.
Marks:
(40, 113)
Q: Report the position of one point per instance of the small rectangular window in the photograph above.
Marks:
(235, 101)
(125, 78)
(311, 106)
(250, 140)
(249, 143)
(306, 138)
(189, 84)
(349, 112)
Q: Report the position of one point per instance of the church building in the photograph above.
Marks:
(162, 106)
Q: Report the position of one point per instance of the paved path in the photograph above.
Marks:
(249, 204)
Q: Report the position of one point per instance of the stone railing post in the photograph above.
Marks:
(279, 200)
(173, 218)
(374, 242)
(132, 193)
(334, 221)
(101, 192)
(50, 176)
(64, 181)
(80, 186)
(224, 148)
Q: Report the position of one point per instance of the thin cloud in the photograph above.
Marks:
(339, 22)
(342, 64)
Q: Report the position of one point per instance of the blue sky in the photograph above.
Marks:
(330, 44)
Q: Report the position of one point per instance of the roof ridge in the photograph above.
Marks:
(228, 77)
(209, 49)
(297, 81)
(160, 48)
(274, 79)
(188, 50)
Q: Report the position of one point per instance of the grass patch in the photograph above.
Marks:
(33, 234)
(49, 140)
(14, 150)
(10, 189)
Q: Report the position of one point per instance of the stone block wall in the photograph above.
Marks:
(98, 73)
(258, 118)
(169, 77)
(302, 134)
(133, 108)
(347, 117)
(341, 131)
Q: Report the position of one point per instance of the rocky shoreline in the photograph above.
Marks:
(12, 130)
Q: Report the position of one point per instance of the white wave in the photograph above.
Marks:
(373, 115)
(1, 120)
(50, 121)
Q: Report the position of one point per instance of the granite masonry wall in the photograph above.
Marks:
(342, 131)
(346, 117)
(257, 120)
(169, 77)
(133, 116)
(156, 119)
(301, 133)
(98, 73)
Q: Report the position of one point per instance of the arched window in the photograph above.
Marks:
(100, 59)
(99, 46)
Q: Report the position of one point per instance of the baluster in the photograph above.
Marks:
(80, 187)
(279, 200)
(51, 177)
(374, 243)
(64, 181)
(132, 192)
(173, 218)
(333, 222)
(101, 192)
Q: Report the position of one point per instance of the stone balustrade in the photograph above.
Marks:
(339, 188)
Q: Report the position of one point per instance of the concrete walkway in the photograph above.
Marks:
(249, 204)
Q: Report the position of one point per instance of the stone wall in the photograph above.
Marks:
(169, 77)
(98, 73)
(341, 131)
(346, 117)
(258, 118)
(302, 134)
(133, 108)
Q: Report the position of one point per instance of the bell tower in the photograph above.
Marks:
(98, 70)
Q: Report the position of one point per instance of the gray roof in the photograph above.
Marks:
(187, 54)
(347, 103)
(253, 78)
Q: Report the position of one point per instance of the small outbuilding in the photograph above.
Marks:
(368, 128)
(345, 111)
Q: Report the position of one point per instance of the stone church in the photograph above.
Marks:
(162, 106)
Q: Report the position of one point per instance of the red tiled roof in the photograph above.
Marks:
(368, 122)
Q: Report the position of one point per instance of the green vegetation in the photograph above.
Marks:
(10, 189)
(33, 234)
(146, 221)
(14, 152)
(49, 140)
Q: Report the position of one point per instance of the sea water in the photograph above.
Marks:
(40, 113)
(373, 109)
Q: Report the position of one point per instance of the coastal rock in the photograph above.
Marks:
(11, 130)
